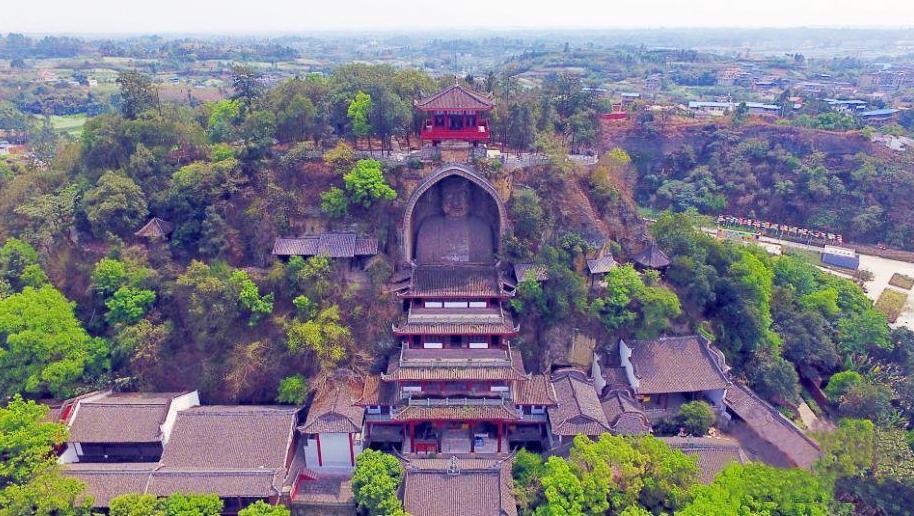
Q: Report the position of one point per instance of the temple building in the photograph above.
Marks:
(455, 113)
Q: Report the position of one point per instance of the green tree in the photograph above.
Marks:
(756, 488)
(358, 112)
(18, 261)
(257, 131)
(335, 203)
(562, 490)
(224, 114)
(137, 93)
(696, 417)
(261, 508)
(128, 305)
(293, 390)
(248, 85)
(341, 158)
(29, 480)
(859, 331)
(249, 297)
(116, 205)
(365, 184)
(324, 335)
(622, 285)
(527, 470)
(658, 306)
(527, 214)
(134, 504)
(375, 482)
(45, 350)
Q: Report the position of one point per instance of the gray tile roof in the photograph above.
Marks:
(231, 437)
(334, 408)
(771, 426)
(121, 417)
(333, 245)
(456, 97)
(652, 257)
(452, 280)
(712, 454)
(625, 415)
(578, 409)
(477, 488)
(106, 481)
(677, 365)
(601, 265)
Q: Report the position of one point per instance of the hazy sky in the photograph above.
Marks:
(125, 16)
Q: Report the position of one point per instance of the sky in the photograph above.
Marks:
(301, 16)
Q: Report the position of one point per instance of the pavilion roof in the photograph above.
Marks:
(652, 257)
(537, 390)
(456, 364)
(625, 415)
(601, 265)
(466, 321)
(456, 97)
(155, 228)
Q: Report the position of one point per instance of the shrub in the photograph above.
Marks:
(840, 383)
(696, 417)
(293, 390)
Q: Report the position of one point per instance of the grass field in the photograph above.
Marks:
(901, 281)
(68, 124)
(891, 303)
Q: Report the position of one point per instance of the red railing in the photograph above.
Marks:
(476, 133)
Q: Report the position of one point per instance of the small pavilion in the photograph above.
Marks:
(456, 113)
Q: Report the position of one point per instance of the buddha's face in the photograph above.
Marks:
(455, 198)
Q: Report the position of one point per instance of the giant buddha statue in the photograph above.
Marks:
(455, 235)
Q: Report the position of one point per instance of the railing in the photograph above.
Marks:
(456, 402)
(442, 133)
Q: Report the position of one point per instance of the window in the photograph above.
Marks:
(479, 345)
(433, 304)
(537, 409)
(433, 345)
(478, 304)
(373, 409)
(455, 304)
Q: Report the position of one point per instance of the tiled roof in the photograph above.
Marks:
(540, 273)
(155, 228)
(615, 378)
(535, 391)
(601, 265)
(578, 409)
(333, 245)
(230, 437)
(475, 488)
(106, 481)
(456, 97)
(456, 412)
(771, 426)
(227, 483)
(448, 281)
(652, 257)
(712, 454)
(448, 321)
(625, 415)
(334, 408)
(677, 364)
(121, 418)
(325, 490)
(375, 391)
(484, 368)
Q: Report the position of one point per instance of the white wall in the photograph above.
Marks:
(625, 354)
(716, 397)
(596, 372)
(182, 402)
(69, 454)
(334, 451)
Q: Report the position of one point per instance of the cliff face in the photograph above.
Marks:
(832, 181)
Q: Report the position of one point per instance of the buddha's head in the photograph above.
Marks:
(455, 197)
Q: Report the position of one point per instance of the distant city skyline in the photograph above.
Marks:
(290, 16)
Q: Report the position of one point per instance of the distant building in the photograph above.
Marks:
(456, 113)
(629, 97)
(723, 108)
(841, 257)
(846, 105)
(878, 116)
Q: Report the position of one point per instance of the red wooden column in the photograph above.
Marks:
(351, 451)
(499, 436)
(412, 437)
(320, 461)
